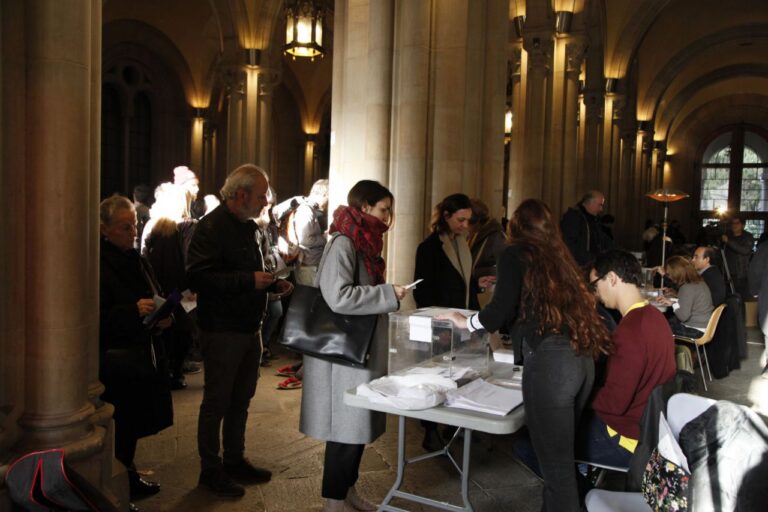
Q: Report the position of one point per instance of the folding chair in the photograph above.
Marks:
(701, 341)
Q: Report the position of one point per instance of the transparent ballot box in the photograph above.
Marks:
(417, 338)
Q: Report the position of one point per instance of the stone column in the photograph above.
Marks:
(517, 144)
(196, 143)
(59, 297)
(574, 57)
(235, 118)
(267, 81)
(12, 208)
(539, 47)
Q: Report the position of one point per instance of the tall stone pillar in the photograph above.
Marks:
(418, 104)
(12, 207)
(267, 80)
(59, 315)
(517, 174)
(235, 118)
(573, 60)
(539, 47)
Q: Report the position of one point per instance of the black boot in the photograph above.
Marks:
(139, 487)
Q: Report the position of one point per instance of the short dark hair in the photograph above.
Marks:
(621, 263)
(369, 192)
(449, 205)
(480, 212)
(142, 194)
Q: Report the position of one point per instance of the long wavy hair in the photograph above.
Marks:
(554, 294)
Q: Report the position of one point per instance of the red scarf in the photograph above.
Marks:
(367, 234)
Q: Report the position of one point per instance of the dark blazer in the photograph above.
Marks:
(714, 279)
(443, 285)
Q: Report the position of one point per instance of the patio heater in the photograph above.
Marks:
(666, 196)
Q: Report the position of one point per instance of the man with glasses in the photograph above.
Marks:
(738, 244)
(643, 357)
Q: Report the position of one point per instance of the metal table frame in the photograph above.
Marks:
(466, 421)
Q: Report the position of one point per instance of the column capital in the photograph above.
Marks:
(540, 48)
(269, 78)
(619, 103)
(575, 50)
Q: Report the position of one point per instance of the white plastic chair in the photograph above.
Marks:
(681, 409)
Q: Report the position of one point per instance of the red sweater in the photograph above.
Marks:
(643, 358)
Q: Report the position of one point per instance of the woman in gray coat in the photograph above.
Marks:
(351, 278)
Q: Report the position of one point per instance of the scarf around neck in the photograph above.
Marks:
(367, 234)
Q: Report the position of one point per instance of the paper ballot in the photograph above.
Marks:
(481, 396)
(420, 322)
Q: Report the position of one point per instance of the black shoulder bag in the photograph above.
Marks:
(313, 329)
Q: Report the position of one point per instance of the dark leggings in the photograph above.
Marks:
(340, 469)
(556, 386)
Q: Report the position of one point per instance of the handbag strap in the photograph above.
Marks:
(321, 265)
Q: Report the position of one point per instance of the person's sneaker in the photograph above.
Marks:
(246, 472)
(219, 483)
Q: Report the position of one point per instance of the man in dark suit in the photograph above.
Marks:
(702, 262)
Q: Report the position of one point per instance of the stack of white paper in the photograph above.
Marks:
(481, 396)
(504, 355)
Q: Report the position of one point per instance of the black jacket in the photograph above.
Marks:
(583, 235)
(135, 382)
(222, 259)
(443, 285)
(716, 284)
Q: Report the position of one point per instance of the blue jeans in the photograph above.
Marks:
(595, 445)
(556, 387)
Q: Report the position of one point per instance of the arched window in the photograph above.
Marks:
(734, 178)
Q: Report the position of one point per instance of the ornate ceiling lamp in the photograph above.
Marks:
(303, 29)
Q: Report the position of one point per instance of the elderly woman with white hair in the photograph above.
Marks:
(132, 368)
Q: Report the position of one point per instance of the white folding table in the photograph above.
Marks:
(465, 420)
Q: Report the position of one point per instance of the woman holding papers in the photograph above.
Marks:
(135, 377)
(351, 278)
(543, 300)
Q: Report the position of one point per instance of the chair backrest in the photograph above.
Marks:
(649, 432)
(709, 333)
(682, 408)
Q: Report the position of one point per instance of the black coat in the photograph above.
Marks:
(443, 285)
(222, 259)
(583, 235)
(716, 284)
(136, 385)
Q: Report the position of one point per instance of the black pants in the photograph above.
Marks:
(556, 387)
(125, 445)
(340, 469)
(231, 371)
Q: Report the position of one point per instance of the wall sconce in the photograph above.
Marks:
(644, 126)
(303, 29)
(517, 23)
(252, 57)
(198, 112)
(563, 21)
(610, 85)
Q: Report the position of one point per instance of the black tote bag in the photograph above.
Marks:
(313, 329)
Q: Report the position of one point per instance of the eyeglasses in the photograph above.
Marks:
(593, 284)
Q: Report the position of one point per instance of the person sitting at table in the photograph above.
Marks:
(643, 357)
(693, 306)
(543, 299)
(702, 261)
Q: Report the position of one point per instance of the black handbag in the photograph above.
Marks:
(312, 328)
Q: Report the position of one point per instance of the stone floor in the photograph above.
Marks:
(499, 482)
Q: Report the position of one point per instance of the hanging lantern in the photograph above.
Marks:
(303, 29)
